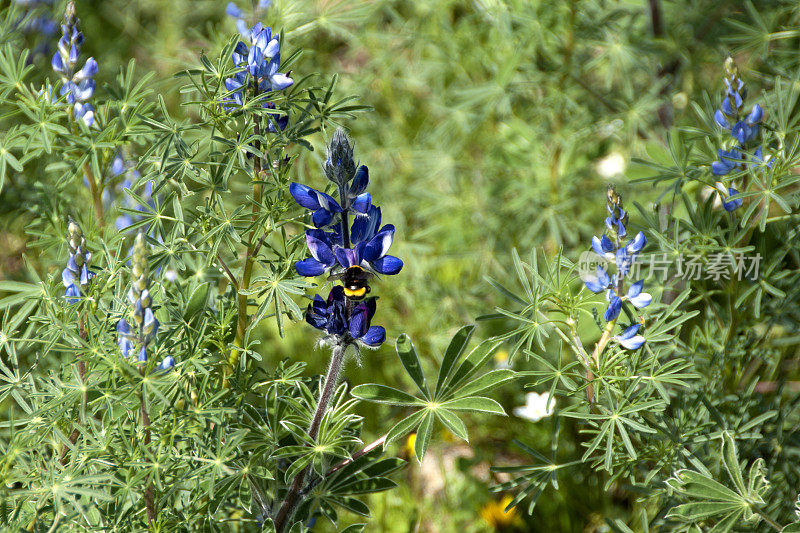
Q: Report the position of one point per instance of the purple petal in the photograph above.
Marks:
(318, 245)
(347, 257)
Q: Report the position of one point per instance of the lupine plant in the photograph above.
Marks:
(689, 393)
(142, 397)
(204, 287)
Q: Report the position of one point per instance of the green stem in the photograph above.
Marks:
(149, 491)
(249, 261)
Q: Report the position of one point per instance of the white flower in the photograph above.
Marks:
(536, 406)
(611, 166)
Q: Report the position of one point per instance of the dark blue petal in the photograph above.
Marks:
(375, 336)
(321, 218)
(388, 265)
(360, 181)
(362, 202)
(364, 228)
(379, 245)
(309, 267)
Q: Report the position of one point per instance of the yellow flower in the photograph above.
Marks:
(495, 515)
(501, 359)
(409, 446)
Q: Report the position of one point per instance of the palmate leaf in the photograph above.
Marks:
(456, 390)
(711, 500)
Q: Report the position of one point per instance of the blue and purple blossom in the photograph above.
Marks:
(332, 317)
(341, 248)
(260, 63)
(744, 130)
(77, 274)
(77, 86)
(623, 256)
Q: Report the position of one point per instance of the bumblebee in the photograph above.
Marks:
(356, 282)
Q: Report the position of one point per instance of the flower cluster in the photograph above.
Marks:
(334, 318)
(612, 249)
(77, 274)
(364, 243)
(78, 86)
(352, 253)
(743, 129)
(139, 333)
(260, 63)
(237, 13)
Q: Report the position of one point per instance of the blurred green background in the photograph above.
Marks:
(494, 125)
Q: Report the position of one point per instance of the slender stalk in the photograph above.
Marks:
(149, 491)
(73, 437)
(249, 260)
(292, 498)
(97, 195)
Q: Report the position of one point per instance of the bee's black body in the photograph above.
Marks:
(356, 282)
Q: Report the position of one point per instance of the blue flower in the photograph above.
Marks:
(261, 61)
(638, 298)
(725, 194)
(601, 281)
(370, 246)
(77, 86)
(629, 338)
(729, 160)
(623, 257)
(137, 332)
(323, 205)
(331, 317)
(77, 273)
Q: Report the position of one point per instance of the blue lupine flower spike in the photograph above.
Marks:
(350, 253)
(260, 62)
(77, 274)
(137, 332)
(623, 256)
(744, 128)
(77, 85)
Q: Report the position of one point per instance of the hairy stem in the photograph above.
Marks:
(292, 498)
